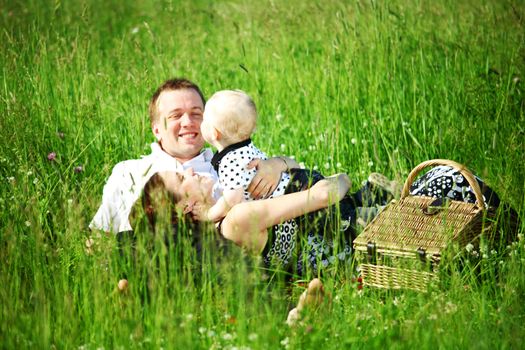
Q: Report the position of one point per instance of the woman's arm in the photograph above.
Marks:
(246, 223)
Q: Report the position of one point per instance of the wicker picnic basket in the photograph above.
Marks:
(402, 247)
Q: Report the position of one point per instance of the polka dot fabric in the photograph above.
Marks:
(231, 166)
(445, 181)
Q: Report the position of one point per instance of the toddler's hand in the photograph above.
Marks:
(199, 211)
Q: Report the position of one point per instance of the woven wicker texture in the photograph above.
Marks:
(394, 278)
(403, 226)
(417, 227)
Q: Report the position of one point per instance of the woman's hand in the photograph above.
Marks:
(267, 176)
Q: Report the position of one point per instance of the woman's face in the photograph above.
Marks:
(191, 188)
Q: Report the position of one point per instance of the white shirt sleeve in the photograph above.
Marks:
(118, 197)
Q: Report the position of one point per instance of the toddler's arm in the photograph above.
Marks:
(228, 199)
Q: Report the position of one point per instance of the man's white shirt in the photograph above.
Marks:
(128, 178)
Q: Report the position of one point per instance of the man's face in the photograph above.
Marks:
(178, 126)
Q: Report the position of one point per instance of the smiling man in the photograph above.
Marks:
(175, 111)
(176, 115)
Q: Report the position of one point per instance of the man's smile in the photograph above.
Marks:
(188, 135)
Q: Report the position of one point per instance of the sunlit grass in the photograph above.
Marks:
(342, 86)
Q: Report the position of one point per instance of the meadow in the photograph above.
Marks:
(343, 86)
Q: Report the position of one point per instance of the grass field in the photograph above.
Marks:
(344, 86)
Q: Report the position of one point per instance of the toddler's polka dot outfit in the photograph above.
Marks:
(231, 164)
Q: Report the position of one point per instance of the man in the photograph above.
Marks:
(175, 110)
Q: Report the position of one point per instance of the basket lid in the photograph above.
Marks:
(404, 226)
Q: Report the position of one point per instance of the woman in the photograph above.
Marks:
(244, 223)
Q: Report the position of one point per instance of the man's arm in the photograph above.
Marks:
(118, 196)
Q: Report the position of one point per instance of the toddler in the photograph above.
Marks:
(229, 120)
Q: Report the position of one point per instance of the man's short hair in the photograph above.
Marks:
(171, 85)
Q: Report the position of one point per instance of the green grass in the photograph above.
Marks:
(343, 86)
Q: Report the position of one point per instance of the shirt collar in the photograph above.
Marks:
(206, 154)
(216, 160)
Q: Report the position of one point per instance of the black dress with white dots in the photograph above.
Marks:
(447, 182)
(230, 164)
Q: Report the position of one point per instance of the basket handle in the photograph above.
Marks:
(433, 162)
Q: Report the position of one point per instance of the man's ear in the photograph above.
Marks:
(156, 131)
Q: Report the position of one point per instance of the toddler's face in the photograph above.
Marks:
(207, 128)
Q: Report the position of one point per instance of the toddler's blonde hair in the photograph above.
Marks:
(233, 113)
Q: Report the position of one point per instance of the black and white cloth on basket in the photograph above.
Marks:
(445, 181)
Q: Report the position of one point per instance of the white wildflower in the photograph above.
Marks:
(469, 247)
(29, 173)
(227, 336)
(28, 223)
(35, 180)
(202, 330)
(327, 165)
(283, 146)
(450, 307)
(302, 165)
(278, 116)
(370, 164)
(252, 336)
(135, 30)
(339, 165)
(353, 140)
